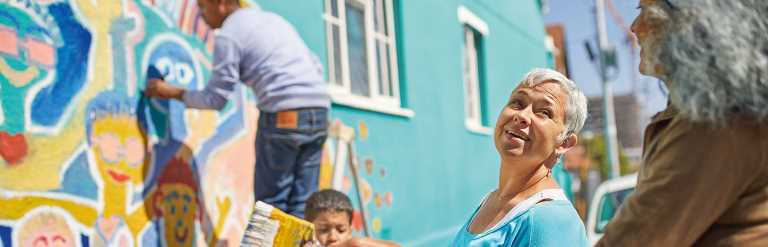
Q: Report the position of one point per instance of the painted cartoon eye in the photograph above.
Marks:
(41, 52)
(134, 151)
(184, 73)
(186, 208)
(108, 146)
(10, 41)
(59, 239)
(40, 241)
(165, 65)
(173, 209)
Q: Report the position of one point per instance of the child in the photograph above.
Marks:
(331, 212)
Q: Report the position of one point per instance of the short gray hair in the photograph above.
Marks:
(715, 57)
(576, 106)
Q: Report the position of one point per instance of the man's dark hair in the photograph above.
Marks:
(327, 200)
(226, 1)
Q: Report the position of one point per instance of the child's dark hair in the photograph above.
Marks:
(327, 200)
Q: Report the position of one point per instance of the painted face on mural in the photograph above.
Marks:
(26, 57)
(650, 28)
(46, 230)
(172, 58)
(178, 204)
(120, 149)
(528, 127)
(27, 52)
(175, 63)
(332, 227)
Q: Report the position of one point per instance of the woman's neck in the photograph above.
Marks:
(516, 184)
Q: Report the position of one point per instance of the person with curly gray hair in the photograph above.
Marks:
(704, 179)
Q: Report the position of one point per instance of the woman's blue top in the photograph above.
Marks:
(545, 219)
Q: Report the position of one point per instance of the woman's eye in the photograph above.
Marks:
(546, 113)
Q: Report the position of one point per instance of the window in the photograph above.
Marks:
(609, 205)
(474, 31)
(362, 56)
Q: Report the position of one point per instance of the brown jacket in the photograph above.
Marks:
(699, 185)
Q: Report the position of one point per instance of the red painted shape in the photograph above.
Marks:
(13, 148)
(118, 176)
(357, 221)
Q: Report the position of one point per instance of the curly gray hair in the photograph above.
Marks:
(715, 57)
(576, 106)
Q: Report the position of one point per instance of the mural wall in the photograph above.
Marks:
(85, 160)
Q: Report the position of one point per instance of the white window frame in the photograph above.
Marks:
(342, 94)
(472, 24)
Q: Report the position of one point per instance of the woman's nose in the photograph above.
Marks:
(521, 118)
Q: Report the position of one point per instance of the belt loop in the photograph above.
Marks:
(313, 123)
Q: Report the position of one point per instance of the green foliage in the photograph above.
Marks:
(596, 150)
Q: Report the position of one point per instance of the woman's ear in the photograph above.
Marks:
(569, 142)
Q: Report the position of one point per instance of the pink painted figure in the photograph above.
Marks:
(46, 229)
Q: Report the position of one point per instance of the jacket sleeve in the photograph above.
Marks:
(224, 76)
(692, 176)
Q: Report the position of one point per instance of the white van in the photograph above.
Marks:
(607, 200)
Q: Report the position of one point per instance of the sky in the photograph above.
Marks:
(579, 20)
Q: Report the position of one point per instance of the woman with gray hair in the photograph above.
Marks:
(537, 126)
(704, 180)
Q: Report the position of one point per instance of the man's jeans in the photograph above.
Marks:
(289, 147)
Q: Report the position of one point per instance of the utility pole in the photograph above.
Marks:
(609, 119)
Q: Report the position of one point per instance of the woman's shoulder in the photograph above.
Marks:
(556, 212)
(552, 223)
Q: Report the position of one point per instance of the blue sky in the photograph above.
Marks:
(578, 18)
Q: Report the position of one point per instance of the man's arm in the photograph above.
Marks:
(695, 174)
(224, 76)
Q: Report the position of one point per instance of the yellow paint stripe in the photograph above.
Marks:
(16, 208)
(18, 78)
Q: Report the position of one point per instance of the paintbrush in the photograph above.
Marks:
(270, 226)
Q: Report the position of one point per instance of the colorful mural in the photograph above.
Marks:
(85, 159)
(370, 202)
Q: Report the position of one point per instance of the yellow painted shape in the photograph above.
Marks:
(41, 169)
(137, 220)
(15, 208)
(376, 224)
(201, 125)
(326, 169)
(18, 78)
(224, 204)
(363, 130)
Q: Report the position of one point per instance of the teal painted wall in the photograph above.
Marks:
(435, 169)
